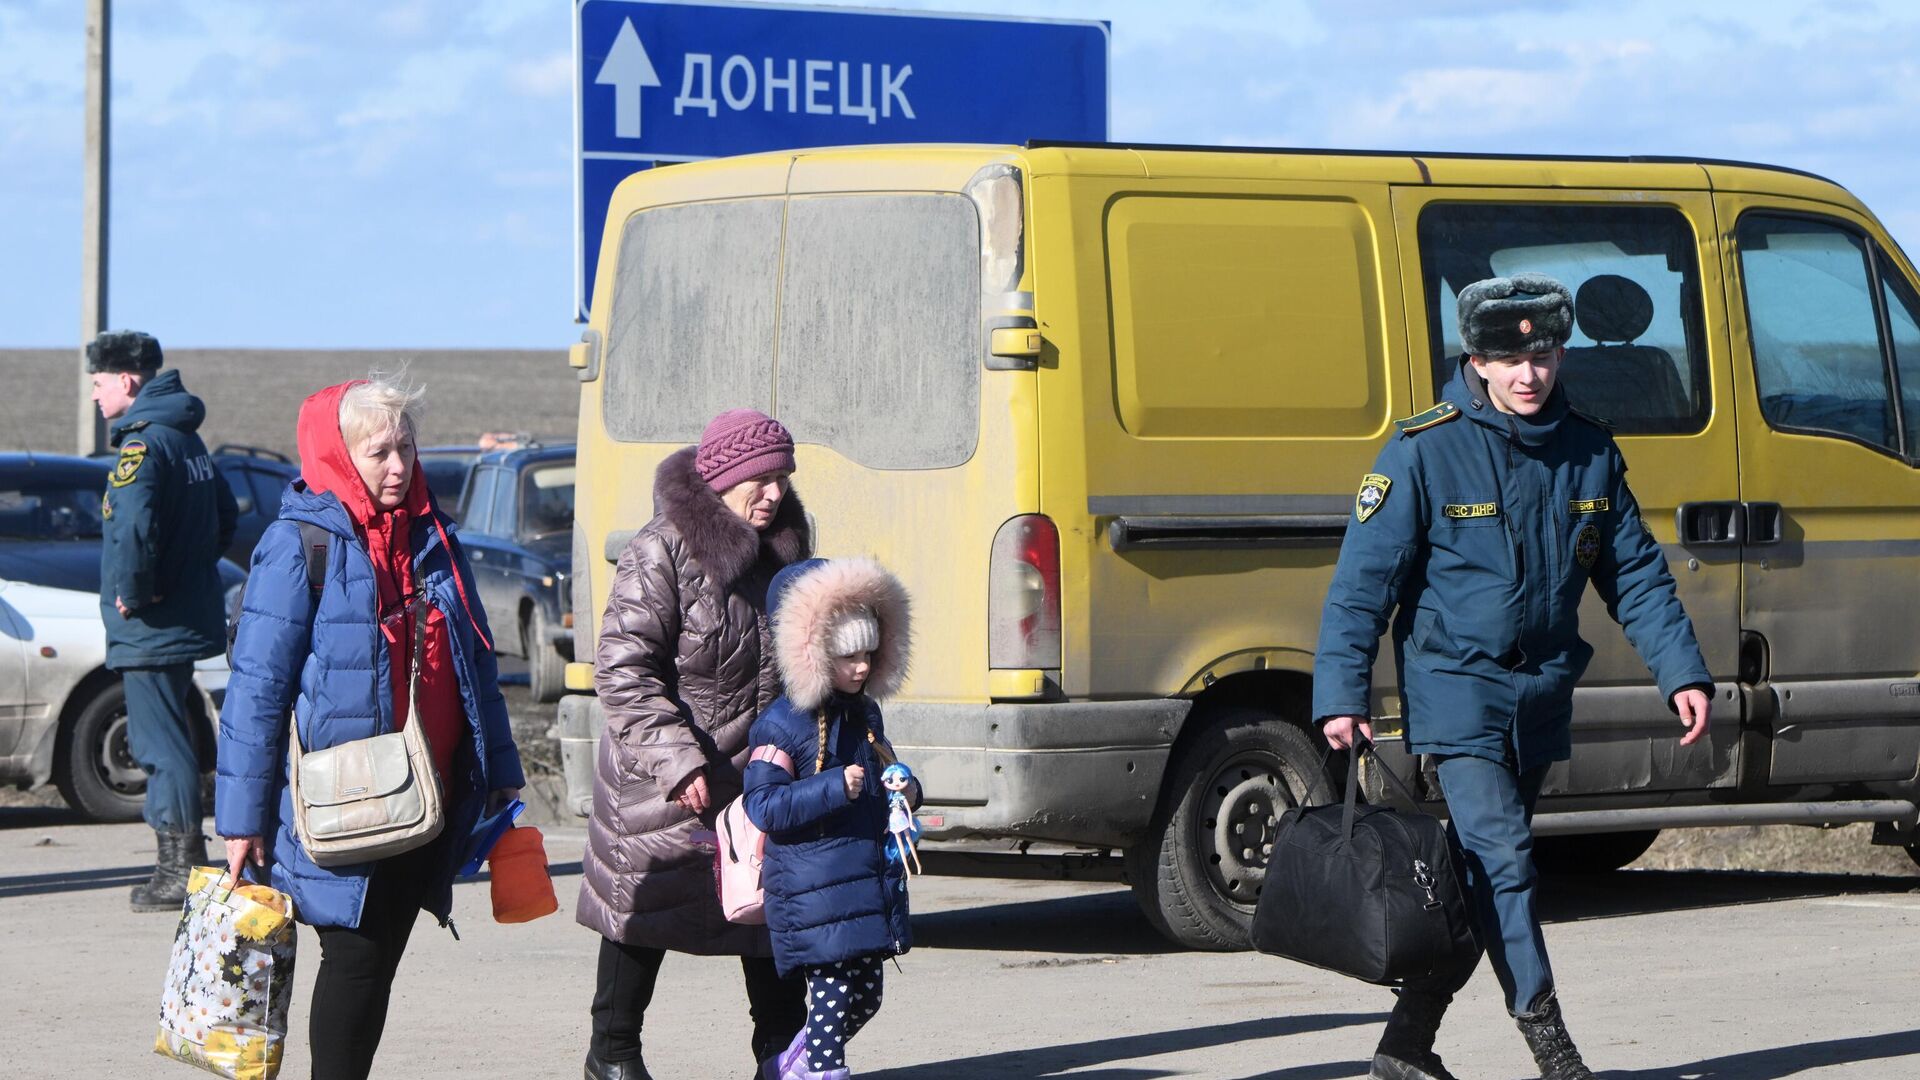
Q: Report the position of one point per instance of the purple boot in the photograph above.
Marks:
(791, 1064)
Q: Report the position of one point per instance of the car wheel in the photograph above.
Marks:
(1591, 853)
(546, 668)
(94, 765)
(1198, 874)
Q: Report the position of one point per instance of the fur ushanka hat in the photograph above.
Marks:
(1525, 313)
(823, 608)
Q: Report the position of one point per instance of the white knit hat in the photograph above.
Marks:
(856, 631)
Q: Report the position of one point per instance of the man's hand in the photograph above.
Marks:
(855, 778)
(1339, 730)
(692, 793)
(121, 605)
(242, 850)
(1694, 707)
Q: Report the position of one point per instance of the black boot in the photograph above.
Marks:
(175, 852)
(1406, 1047)
(598, 1069)
(1552, 1047)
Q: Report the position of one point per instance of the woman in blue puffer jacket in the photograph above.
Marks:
(836, 904)
(339, 659)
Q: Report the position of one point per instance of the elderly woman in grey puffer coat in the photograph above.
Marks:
(684, 666)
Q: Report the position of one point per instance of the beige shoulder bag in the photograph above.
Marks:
(370, 798)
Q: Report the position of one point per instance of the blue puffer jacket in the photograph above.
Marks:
(337, 680)
(832, 894)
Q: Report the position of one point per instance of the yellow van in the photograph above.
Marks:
(1104, 409)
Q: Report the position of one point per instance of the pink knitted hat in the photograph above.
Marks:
(740, 444)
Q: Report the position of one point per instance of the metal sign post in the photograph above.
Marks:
(92, 430)
(664, 82)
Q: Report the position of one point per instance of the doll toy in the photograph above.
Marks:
(902, 828)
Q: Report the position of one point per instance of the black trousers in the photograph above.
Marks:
(624, 989)
(357, 965)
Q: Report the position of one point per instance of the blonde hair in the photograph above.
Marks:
(382, 405)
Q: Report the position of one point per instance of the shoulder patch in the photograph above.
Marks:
(1437, 415)
(1373, 493)
(133, 454)
(1600, 422)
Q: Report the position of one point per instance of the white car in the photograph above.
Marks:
(63, 715)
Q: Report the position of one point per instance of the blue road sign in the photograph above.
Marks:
(662, 82)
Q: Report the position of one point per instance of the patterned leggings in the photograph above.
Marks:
(841, 998)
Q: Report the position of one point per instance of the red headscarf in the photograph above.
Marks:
(327, 467)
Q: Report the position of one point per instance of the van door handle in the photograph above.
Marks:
(1764, 522)
(1710, 524)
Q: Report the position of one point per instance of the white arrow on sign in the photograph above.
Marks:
(627, 69)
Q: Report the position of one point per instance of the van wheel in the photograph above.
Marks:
(546, 668)
(1591, 853)
(1198, 874)
(93, 764)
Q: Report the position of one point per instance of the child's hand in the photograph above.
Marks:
(855, 778)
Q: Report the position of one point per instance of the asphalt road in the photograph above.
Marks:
(1665, 974)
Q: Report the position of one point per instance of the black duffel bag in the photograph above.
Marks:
(1366, 891)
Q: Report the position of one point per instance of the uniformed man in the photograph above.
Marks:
(168, 516)
(1475, 535)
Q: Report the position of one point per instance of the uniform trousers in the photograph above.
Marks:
(1490, 819)
(161, 738)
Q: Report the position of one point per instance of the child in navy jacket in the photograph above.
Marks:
(836, 905)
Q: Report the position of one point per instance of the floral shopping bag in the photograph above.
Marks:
(230, 981)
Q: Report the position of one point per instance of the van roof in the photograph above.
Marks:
(1416, 155)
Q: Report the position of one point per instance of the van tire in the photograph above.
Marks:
(1194, 888)
(546, 668)
(1590, 853)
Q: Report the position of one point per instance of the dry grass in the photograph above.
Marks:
(1845, 850)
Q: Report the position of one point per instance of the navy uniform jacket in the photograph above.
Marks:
(168, 516)
(1483, 530)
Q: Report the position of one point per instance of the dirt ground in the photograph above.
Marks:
(253, 396)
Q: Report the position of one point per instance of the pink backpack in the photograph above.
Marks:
(741, 850)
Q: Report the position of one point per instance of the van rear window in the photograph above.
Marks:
(691, 331)
(1638, 354)
(866, 340)
(880, 328)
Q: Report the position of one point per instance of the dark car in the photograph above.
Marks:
(517, 523)
(258, 478)
(447, 468)
(63, 714)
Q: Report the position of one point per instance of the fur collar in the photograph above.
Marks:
(722, 543)
(804, 611)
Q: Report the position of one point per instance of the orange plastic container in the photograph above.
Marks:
(522, 888)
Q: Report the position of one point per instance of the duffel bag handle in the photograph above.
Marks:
(1364, 745)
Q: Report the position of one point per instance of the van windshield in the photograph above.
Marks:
(860, 331)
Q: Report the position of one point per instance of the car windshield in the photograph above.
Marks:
(50, 510)
(546, 500)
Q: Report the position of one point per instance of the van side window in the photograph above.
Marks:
(1817, 355)
(1903, 317)
(691, 329)
(880, 353)
(1637, 357)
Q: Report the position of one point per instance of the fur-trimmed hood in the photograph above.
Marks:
(724, 544)
(807, 597)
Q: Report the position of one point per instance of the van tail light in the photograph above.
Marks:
(1023, 594)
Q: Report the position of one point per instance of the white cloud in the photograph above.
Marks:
(547, 76)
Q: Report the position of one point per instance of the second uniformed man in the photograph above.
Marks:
(1474, 537)
(168, 516)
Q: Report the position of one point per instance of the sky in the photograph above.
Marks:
(399, 173)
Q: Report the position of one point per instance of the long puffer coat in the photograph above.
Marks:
(832, 894)
(683, 667)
